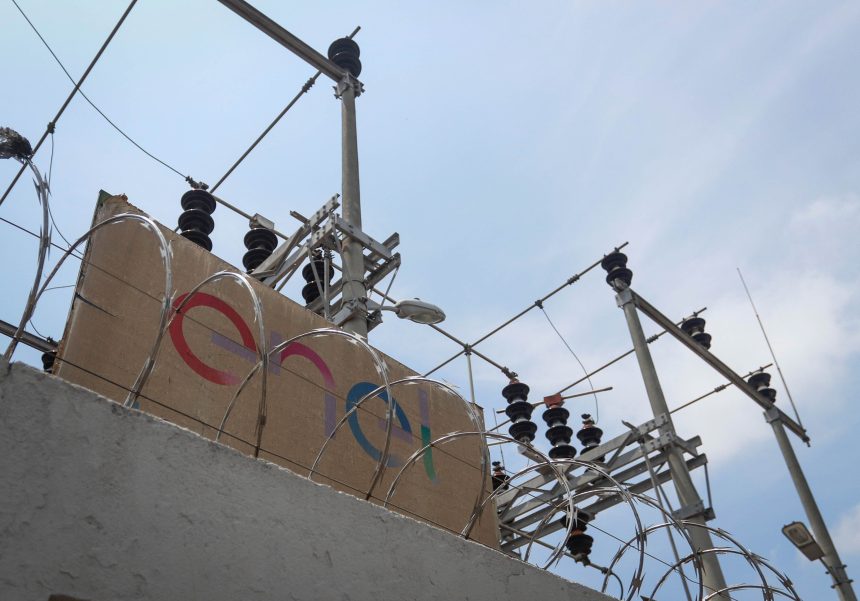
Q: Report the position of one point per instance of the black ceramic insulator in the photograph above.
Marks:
(195, 221)
(615, 264)
(198, 199)
(319, 264)
(695, 328)
(703, 339)
(768, 393)
(500, 480)
(515, 390)
(559, 435)
(523, 431)
(759, 380)
(344, 53)
(48, 359)
(693, 325)
(556, 414)
(260, 243)
(562, 451)
(519, 410)
(590, 434)
(310, 291)
(580, 544)
(580, 520)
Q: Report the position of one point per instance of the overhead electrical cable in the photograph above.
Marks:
(305, 88)
(187, 178)
(91, 103)
(585, 371)
(471, 347)
(52, 124)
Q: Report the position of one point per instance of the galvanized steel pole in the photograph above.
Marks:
(835, 567)
(712, 574)
(353, 256)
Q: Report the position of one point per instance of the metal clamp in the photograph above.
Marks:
(697, 509)
(348, 82)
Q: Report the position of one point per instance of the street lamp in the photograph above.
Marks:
(413, 309)
(802, 538)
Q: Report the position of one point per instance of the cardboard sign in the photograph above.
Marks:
(212, 345)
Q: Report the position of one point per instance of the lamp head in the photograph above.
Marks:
(418, 311)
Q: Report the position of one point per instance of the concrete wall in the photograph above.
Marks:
(104, 503)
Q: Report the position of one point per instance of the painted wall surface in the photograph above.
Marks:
(105, 503)
(211, 347)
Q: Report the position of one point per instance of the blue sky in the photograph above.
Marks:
(511, 145)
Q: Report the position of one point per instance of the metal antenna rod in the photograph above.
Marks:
(770, 348)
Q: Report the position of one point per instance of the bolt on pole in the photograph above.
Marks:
(835, 567)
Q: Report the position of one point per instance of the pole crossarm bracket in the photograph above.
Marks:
(286, 39)
(709, 358)
(695, 510)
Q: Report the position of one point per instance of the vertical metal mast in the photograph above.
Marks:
(353, 257)
(692, 507)
(831, 560)
(344, 73)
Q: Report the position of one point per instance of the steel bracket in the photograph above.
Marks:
(356, 234)
(624, 296)
(697, 509)
(772, 414)
(348, 82)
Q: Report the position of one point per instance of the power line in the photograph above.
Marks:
(470, 347)
(305, 88)
(91, 103)
(585, 371)
(50, 128)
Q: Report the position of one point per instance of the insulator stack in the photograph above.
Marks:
(559, 433)
(310, 291)
(761, 382)
(196, 220)
(500, 479)
(695, 328)
(589, 435)
(519, 411)
(48, 358)
(344, 53)
(615, 264)
(260, 242)
(578, 543)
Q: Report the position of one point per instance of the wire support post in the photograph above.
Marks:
(834, 565)
(344, 53)
(619, 278)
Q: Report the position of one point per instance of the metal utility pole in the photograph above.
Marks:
(782, 424)
(692, 507)
(831, 560)
(343, 67)
(353, 256)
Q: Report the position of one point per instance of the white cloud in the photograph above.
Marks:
(847, 533)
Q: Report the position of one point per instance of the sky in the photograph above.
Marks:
(511, 145)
